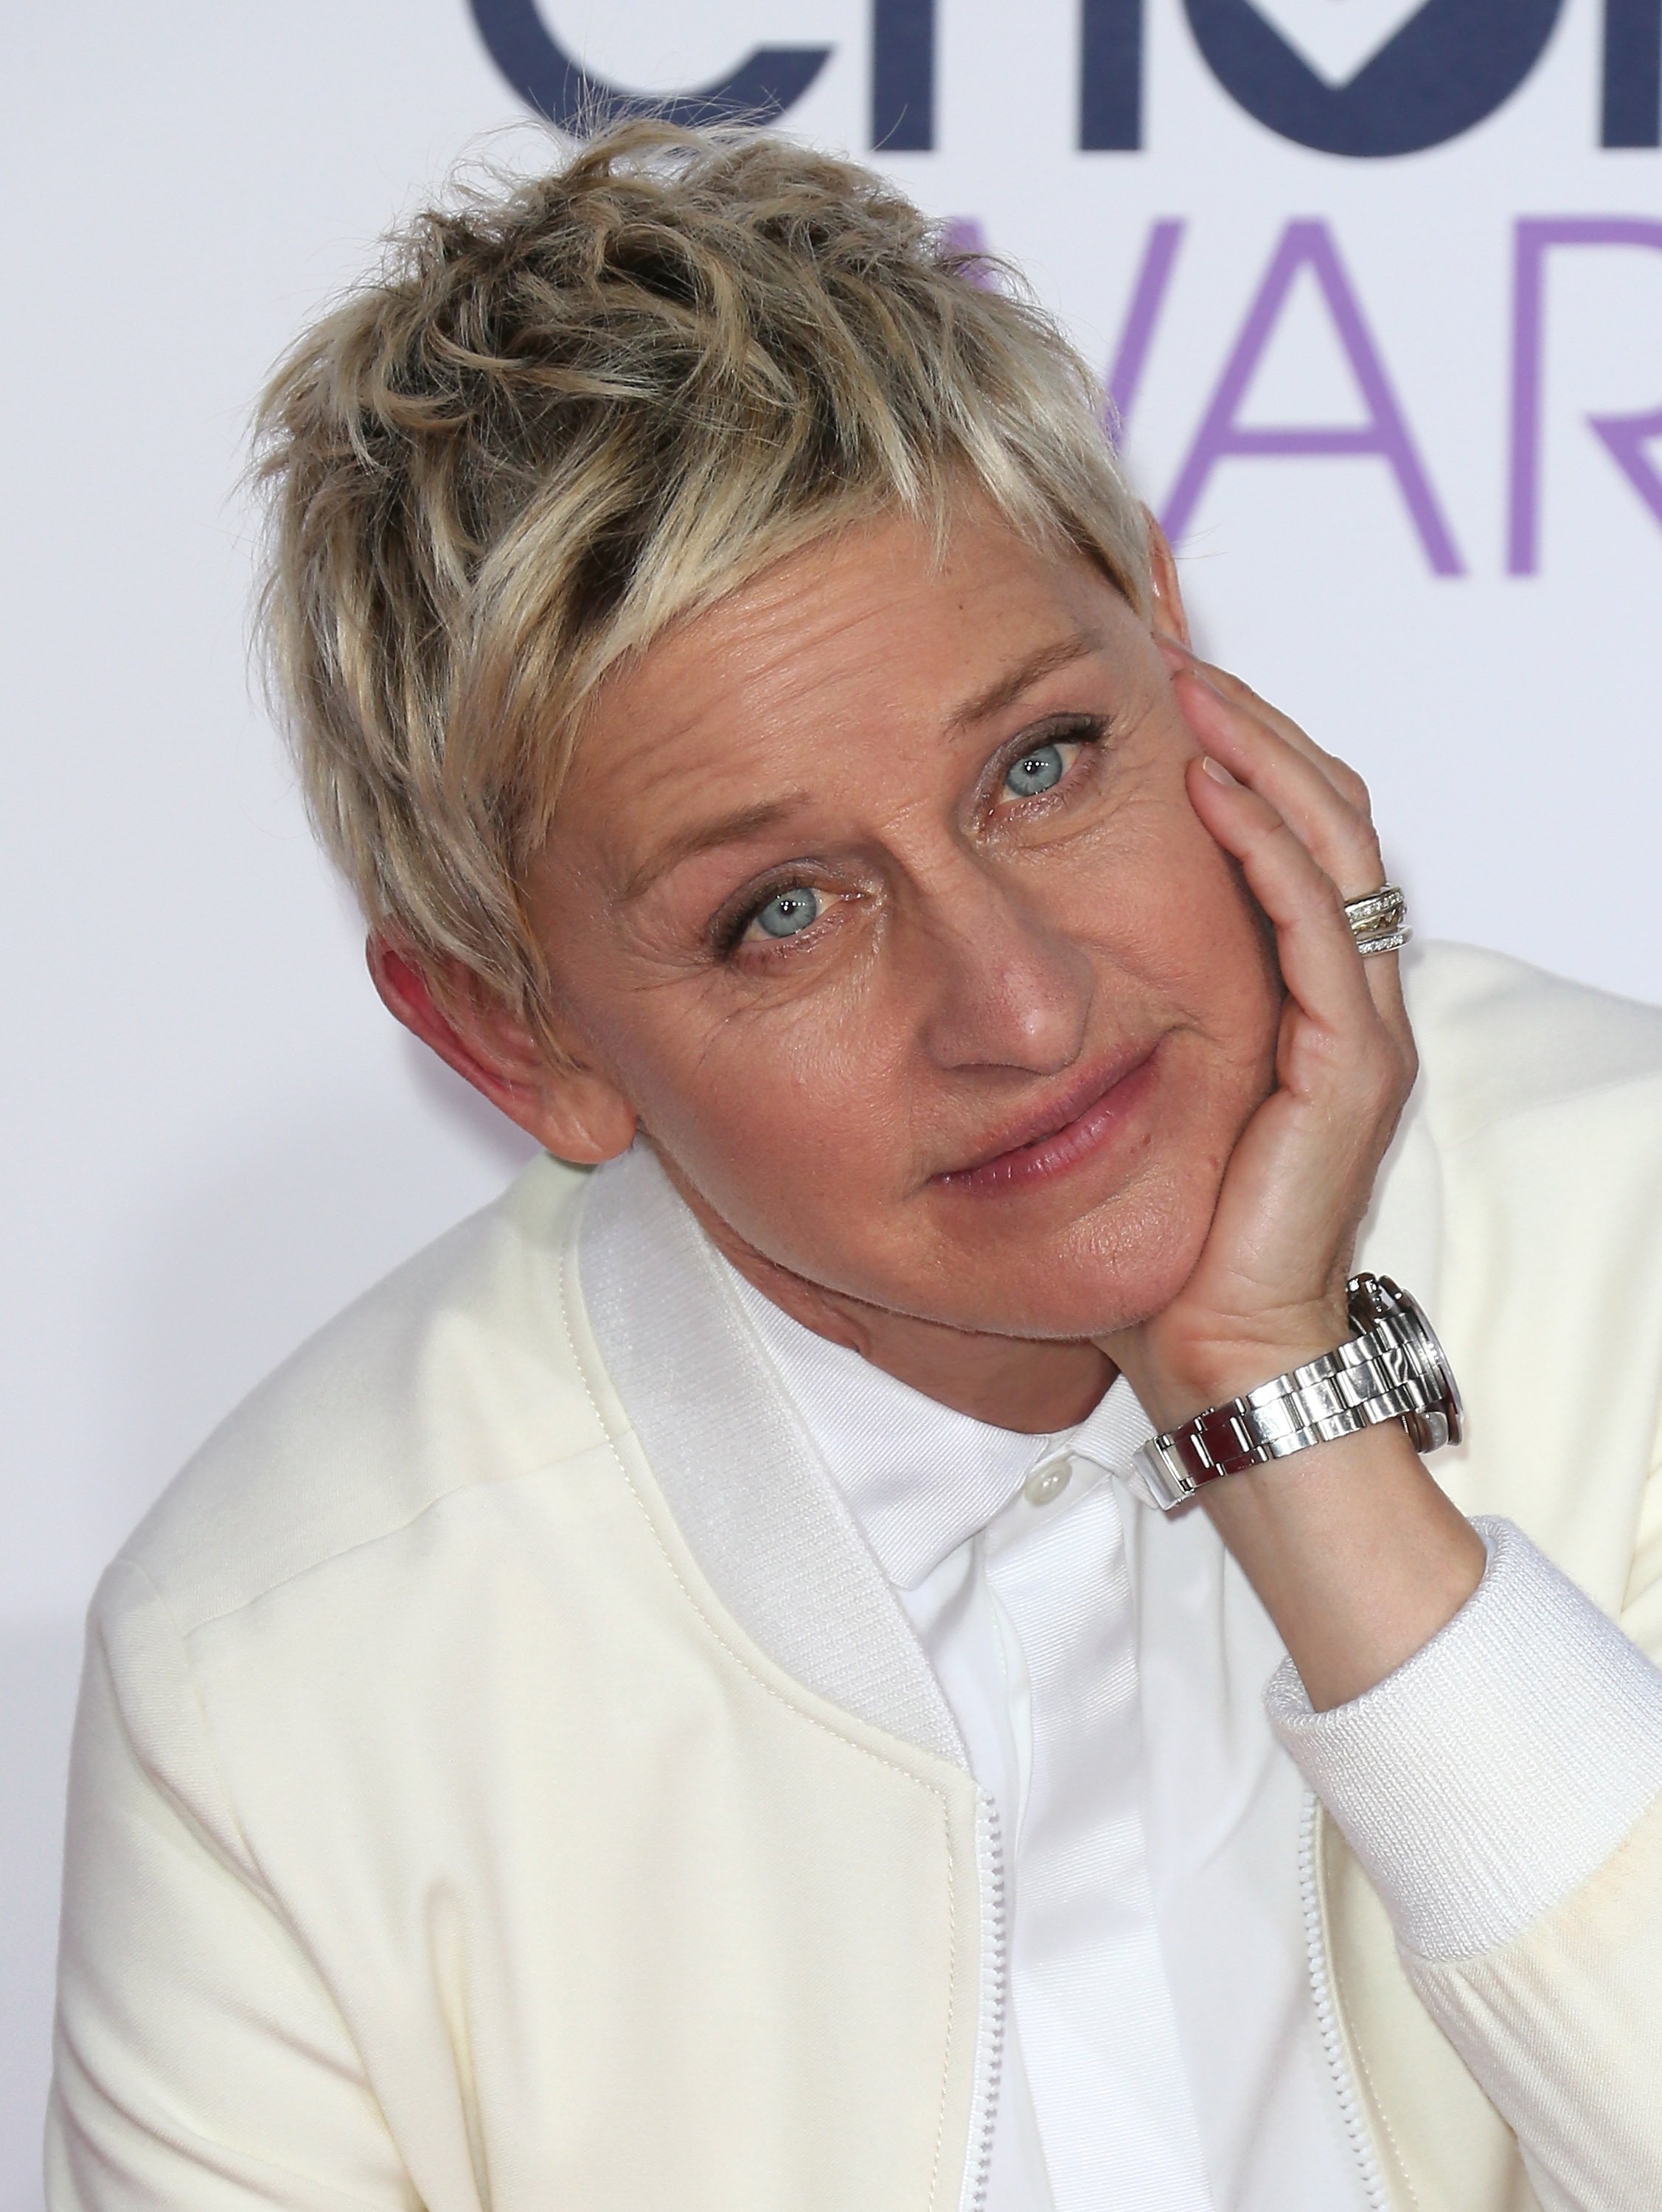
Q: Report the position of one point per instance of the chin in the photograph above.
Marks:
(1119, 1267)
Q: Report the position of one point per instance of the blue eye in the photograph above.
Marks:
(787, 911)
(1040, 770)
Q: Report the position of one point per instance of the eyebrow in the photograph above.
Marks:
(1061, 652)
(704, 837)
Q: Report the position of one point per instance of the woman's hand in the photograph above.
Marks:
(1357, 1554)
(1269, 1289)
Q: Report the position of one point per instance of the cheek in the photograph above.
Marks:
(1227, 952)
(772, 1115)
(1167, 909)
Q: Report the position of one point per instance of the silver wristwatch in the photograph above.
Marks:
(1392, 1368)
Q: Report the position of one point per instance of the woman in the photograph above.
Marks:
(685, 1694)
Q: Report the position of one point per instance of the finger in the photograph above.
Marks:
(1342, 840)
(1319, 963)
(1339, 833)
(1344, 778)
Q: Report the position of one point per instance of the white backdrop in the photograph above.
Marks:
(214, 1137)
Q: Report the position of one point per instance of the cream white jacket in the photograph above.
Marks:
(476, 1804)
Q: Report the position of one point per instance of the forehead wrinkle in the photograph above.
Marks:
(759, 665)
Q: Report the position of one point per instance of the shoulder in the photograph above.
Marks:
(456, 1370)
(1501, 1042)
(1528, 1188)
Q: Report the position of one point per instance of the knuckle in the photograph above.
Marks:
(1354, 791)
(1326, 898)
(1275, 841)
(1364, 865)
(1381, 1067)
(1316, 902)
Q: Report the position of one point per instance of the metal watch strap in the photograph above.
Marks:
(1392, 1369)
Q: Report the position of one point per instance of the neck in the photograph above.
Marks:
(1033, 1385)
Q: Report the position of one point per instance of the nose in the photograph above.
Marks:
(999, 986)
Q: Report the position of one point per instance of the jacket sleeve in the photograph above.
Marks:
(1503, 1791)
(199, 2061)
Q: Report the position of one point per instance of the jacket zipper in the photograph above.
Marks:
(1327, 2023)
(989, 2019)
(989, 2023)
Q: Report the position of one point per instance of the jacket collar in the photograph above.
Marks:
(749, 1492)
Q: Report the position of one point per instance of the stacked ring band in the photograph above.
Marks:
(1379, 922)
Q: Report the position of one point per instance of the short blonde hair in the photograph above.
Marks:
(566, 412)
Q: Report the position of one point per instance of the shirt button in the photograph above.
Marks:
(1047, 1482)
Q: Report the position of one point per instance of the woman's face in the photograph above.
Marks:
(875, 892)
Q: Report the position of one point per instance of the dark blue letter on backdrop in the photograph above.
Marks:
(1448, 67)
(902, 76)
(1453, 62)
(1633, 73)
(1110, 77)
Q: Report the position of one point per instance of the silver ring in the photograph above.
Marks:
(1378, 922)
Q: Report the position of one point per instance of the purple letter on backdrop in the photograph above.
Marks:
(1137, 331)
(1624, 434)
(1307, 245)
(966, 234)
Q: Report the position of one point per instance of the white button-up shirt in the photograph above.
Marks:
(1164, 2051)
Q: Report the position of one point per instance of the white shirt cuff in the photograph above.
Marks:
(1498, 1768)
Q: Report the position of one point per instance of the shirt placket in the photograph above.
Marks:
(1093, 2006)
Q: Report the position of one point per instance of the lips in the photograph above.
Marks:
(1059, 1133)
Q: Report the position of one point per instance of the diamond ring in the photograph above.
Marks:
(1379, 922)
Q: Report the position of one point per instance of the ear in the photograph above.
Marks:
(572, 1108)
(1170, 617)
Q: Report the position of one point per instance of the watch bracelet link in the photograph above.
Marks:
(1393, 1368)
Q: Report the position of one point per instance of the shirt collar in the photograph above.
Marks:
(920, 1478)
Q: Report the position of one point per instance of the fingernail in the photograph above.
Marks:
(1216, 769)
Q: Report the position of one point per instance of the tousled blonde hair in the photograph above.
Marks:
(566, 412)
